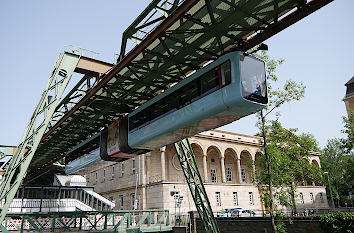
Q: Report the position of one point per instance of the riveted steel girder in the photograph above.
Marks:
(63, 70)
(195, 183)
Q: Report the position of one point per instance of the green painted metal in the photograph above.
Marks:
(39, 122)
(171, 48)
(196, 186)
(154, 13)
(3, 229)
(93, 221)
(173, 39)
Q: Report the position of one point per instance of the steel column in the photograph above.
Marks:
(59, 78)
(196, 186)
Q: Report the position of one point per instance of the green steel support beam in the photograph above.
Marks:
(196, 186)
(39, 122)
(3, 229)
(153, 14)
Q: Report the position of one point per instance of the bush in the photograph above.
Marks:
(339, 222)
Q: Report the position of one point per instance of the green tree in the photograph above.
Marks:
(288, 159)
(285, 153)
(348, 142)
(338, 161)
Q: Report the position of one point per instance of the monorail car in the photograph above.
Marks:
(225, 90)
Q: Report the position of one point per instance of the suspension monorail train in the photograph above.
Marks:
(227, 89)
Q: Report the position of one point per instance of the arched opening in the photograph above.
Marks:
(214, 166)
(314, 162)
(230, 165)
(198, 153)
(246, 167)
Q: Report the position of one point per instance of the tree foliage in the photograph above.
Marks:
(289, 161)
(285, 154)
(338, 222)
(338, 160)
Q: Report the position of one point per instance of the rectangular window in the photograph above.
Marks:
(209, 82)
(213, 175)
(122, 169)
(302, 198)
(104, 175)
(121, 202)
(133, 165)
(243, 175)
(112, 172)
(132, 201)
(250, 196)
(218, 200)
(311, 198)
(228, 174)
(96, 178)
(234, 198)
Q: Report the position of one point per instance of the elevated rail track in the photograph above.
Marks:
(193, 33)
(173, 38)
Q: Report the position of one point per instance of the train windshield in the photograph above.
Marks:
(253, 79)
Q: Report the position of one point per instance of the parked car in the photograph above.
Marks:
(248, 213)
(230, 212)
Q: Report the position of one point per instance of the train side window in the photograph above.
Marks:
(209, 81)
(190, 92)
(157, 109)
(171, 103)
(225, 73)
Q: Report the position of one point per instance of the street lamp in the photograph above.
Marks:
(330, 189)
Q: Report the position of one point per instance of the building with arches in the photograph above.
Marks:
(225, 162)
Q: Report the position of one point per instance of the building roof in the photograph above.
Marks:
(350, 81)
(350, 89)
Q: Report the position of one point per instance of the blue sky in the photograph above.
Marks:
(319, 51)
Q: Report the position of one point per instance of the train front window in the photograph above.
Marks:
(225, 73)
(253, 79)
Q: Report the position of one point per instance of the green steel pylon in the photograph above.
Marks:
(37, 126)
(196, 186)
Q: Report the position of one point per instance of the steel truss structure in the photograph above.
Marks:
(195, 183)
(118, 221)
(173, 38)
(63, 69)
(193, 32)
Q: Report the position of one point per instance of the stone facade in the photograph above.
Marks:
(225, 164)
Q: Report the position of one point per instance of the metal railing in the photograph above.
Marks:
(115, 221)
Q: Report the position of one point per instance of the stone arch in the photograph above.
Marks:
(214, 149)
(315, 162)
(199, 154)
(230, 162)
(246, 166)
(214, 164)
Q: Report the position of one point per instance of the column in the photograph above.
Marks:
(142, 169)
(163, 163)
(222, 163)
(238, 168)
(254, 171)
(148, 167)
(205, 167)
